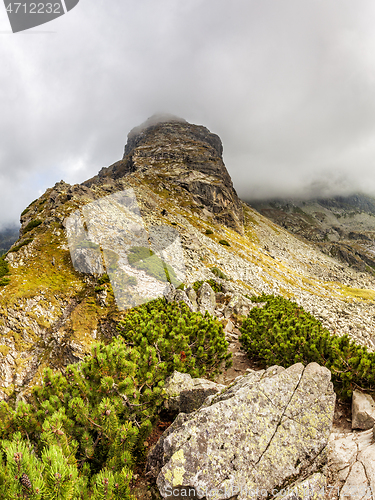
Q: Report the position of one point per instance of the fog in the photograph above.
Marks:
(288, 86)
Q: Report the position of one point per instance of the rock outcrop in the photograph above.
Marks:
(265, 431)
(351, 466)
(186, 394)
(363, 411)
(186, 155)
(206, 299)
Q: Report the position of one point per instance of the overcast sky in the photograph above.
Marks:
(288, 85)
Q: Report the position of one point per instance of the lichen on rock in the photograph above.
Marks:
(270, 429)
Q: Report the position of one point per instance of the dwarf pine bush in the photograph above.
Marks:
(186, 341)
(284, 333)
(80, 433)
(4, 271)
(32, 224)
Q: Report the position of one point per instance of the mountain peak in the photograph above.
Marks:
(182, 154)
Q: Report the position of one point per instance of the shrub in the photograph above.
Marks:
(24, 212)
(103, 279)
(209, 231)
(4, 267)
(31, 225)
(224, 242)
(81, 432)
(284, 333)
(4, 281)
(20, 245)
(185, 340)
(145, 259)
(217, 272)
(216, 287)
(4, 271)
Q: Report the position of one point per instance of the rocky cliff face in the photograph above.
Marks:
(52, 312)
(184, 155)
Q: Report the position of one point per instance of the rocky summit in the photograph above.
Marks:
(166, 220)
(182, 155)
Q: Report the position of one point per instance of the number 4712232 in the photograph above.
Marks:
(34, 8)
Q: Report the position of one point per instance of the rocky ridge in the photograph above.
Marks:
(50, 313)
(342, 226)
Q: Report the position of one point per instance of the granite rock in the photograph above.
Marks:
(267, 430)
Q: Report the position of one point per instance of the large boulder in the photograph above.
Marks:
(363, 411)
(240, 305)
(192, 296)
(266, 430)
(206, 299)
(172, 294)
(190, 157)
(186, 394)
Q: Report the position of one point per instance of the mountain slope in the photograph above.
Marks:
(342, 226)
(50, 313)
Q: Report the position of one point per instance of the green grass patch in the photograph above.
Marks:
(4, 271)
(4, 267)
(20, 245)
(87, 244)
(4, 281)
(217, 272)
(32, 224)
(358, 293)
(145, 259)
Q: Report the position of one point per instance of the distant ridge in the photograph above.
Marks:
(341, 226)
(7, 237)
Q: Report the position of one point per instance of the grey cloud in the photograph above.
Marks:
(288, 86)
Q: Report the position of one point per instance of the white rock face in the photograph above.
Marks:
(351, 465)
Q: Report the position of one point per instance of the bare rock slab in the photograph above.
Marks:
(264, 431)
(206, 299)
(363, 411)
(351, 465)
